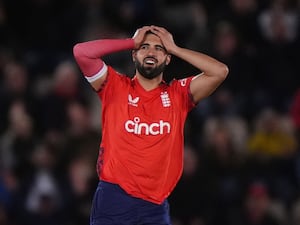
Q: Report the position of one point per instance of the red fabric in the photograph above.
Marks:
(142, 150)
(88, 54)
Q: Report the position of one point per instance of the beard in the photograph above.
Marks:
(150, 72)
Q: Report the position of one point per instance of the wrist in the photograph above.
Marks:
(174, 50)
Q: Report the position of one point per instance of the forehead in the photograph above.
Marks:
(152, 39)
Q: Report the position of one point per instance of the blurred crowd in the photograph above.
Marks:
(242, 161)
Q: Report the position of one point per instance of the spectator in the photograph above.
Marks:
(257, 207)
(272, 148)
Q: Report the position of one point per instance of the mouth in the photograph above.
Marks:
(150, 61)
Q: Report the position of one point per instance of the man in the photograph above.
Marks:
(141, 153)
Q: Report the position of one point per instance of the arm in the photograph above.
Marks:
(88, 55)
(213, 71)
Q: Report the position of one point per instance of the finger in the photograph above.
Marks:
(156, 27)
(135, 33)
(156, 31)
(141, 30)
(145, 28)
(159, 29)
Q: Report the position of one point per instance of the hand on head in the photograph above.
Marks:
(165, 36)
(139, 35)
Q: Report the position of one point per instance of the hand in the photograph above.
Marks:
(166, 38)
(139, 35)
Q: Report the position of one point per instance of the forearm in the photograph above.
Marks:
(88, 54)
(203, 62)
(213, 72)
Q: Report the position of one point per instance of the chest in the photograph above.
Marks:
(154, 103)
(149, 106)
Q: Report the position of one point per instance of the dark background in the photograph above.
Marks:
(242, 163)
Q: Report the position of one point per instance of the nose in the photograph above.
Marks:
(151, 51)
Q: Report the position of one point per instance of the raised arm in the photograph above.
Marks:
(88, 55)
(213, 71)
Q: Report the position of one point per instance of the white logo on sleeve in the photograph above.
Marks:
(137, 127)
(133, 101)
(183, 82)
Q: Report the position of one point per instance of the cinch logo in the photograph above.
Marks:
(135, 126)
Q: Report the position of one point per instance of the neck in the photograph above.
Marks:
(148, 84)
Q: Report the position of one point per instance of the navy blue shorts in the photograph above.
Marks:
(113, 206)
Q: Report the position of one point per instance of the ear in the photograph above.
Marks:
(133, 54)
(168, 60)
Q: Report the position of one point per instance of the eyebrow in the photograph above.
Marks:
(161, 46)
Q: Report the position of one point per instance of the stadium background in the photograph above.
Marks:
(242, 162)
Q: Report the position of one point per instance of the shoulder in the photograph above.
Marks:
(181, 83)
(114, 80)
(113, 74)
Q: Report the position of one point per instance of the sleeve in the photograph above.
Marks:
(114, 81)
(88, 55)
(182, 86)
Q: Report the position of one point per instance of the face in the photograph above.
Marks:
(151, 58)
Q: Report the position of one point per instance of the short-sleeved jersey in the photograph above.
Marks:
(142, 135)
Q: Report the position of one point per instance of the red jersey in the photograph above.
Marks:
(142, 135)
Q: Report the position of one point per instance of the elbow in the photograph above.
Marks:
(77, 50)
(223, 71)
